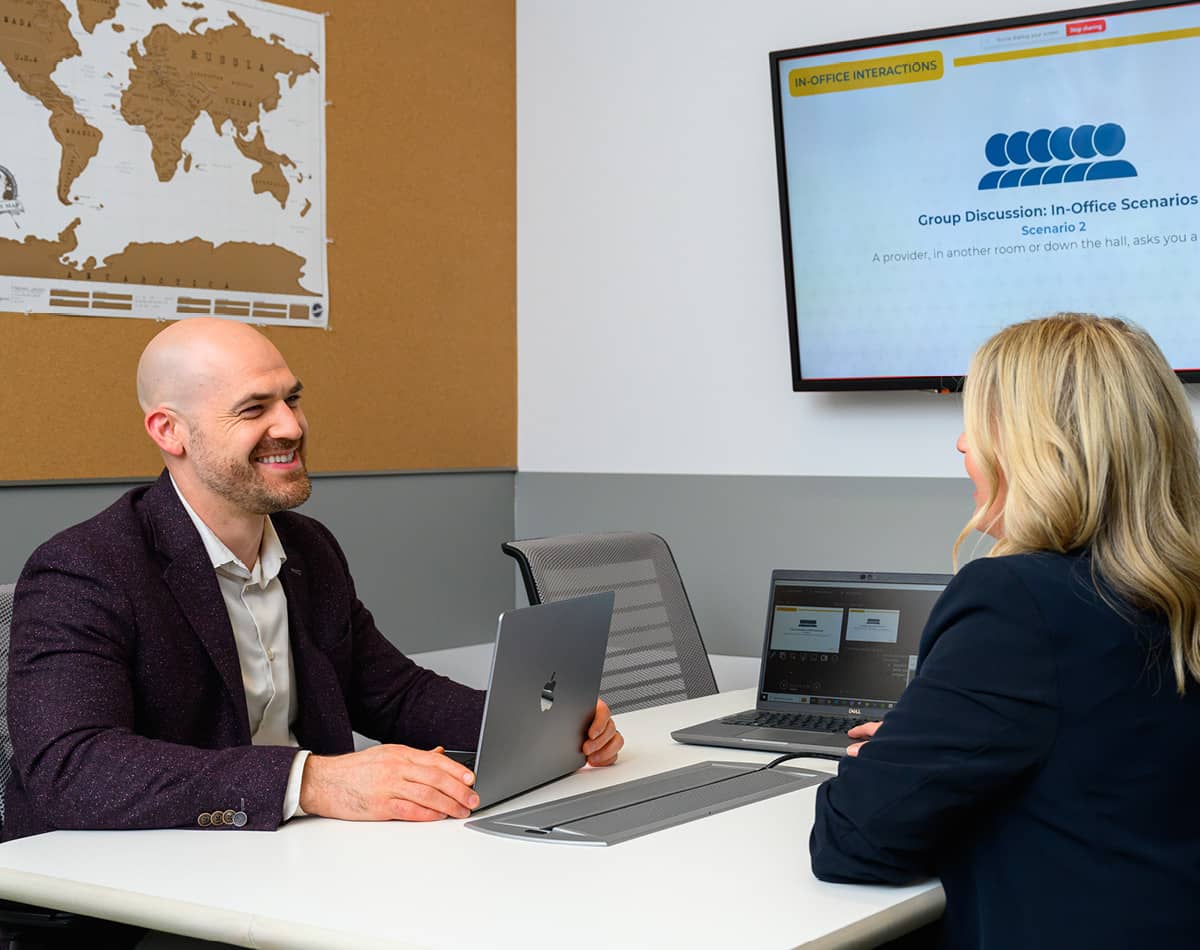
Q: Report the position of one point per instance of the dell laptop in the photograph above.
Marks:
(541, 695)
(839, 649)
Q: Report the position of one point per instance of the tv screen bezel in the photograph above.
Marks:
(950, 383)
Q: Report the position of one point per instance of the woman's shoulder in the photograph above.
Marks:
(1037, 586)
(1057, 589)
(1034, 569)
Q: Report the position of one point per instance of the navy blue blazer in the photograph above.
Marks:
(125, 698)
(1041, 764)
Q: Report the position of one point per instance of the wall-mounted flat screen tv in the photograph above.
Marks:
(937, 186)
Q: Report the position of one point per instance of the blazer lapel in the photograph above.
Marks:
(315, 685)
(193, 583)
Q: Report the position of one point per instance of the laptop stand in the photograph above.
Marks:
(618, 813)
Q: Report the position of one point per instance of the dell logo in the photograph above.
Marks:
(855, 711)
(547, 699)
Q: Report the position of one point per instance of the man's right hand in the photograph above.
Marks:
(387, 782)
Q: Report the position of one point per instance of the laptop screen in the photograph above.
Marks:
(841, 639)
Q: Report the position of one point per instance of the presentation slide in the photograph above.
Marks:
(872, 626)
(807, 629)
(939, 190)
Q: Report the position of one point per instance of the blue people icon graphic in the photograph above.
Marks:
(1055, 157)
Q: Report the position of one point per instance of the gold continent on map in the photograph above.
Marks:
(199, 264)
(38, 257)
(94, 12)
(35, 36)
(269, 177)
(195, 264)
(228, 73)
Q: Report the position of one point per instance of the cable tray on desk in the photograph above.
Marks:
(611, 815)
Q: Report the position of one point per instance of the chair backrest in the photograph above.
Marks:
(6, 611)
(655, 653)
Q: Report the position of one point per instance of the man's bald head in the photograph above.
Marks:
(190, 359)
(224, 410)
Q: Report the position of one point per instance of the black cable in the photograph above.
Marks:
(833, 756)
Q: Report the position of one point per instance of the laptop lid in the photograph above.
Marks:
(843, 642)
(541, 695)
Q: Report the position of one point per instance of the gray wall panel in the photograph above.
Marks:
(729, 532)
(29, 514)
(424, 549)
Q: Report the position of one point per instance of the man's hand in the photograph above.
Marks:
(387, 782)
(603, 742)
(864, 732)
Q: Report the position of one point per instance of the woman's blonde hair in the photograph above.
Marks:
(1088, 430)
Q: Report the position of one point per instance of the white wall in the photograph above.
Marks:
(652, 328)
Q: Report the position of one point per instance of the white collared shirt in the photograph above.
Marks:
(257, 608)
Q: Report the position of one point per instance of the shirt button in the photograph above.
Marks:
(218, 819)
(270, 654)
(239, 819)
(227, 816)
(204, 819)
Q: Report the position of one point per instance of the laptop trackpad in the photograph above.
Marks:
(834, 740)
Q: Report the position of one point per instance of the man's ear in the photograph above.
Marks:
(167, 430)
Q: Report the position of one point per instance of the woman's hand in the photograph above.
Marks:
(864, 732)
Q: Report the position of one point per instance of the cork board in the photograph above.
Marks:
(418, 369)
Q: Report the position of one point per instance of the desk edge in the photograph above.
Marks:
(917, 911)
(245, 929)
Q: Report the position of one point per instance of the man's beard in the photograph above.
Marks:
(237, 481)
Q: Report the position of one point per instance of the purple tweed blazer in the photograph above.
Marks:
(125, 697)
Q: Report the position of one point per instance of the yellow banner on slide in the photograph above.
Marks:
(866, 73)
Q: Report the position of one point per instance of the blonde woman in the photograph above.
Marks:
(1045, 761)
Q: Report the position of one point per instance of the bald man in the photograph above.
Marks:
(196, 656)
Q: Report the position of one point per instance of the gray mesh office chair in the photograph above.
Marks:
(655, 653)
(21, 922)
(6, 611)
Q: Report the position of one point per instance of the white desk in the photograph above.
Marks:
(738, 879)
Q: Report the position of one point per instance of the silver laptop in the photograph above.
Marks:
(839, 649)
(541, 695)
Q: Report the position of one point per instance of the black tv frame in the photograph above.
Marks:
(944, 384)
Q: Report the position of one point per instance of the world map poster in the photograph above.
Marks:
(161, 159)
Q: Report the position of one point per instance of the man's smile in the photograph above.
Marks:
(278, 460)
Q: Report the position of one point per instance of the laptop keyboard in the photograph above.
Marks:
(804, 721)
